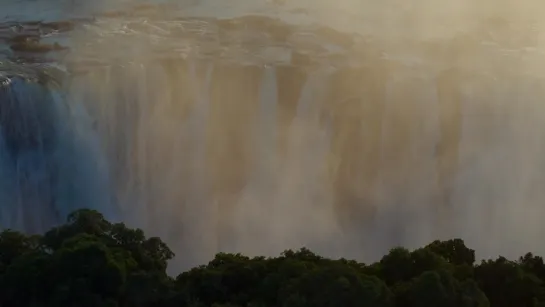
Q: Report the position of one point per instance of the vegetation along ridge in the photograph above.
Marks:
(89, 261)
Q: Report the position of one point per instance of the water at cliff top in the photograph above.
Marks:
(269, 126)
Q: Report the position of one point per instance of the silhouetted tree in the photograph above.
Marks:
(90, 262)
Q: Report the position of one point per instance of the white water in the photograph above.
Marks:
(43, 177)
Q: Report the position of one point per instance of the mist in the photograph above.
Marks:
(403, 123)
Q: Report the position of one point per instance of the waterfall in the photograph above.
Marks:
(232, 157)
(49, 167)
(214, 153)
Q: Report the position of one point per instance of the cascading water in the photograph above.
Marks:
(254, 136)
(47, 169)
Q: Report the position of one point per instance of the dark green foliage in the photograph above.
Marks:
(506, 283)
(91, 262)
(454, 251)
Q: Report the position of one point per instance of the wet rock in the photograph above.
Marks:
(24, 38)
(34, 46)
(61, 26)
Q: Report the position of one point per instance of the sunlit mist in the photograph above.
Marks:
(345, 126)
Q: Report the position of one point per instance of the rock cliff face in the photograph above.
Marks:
(246, 134)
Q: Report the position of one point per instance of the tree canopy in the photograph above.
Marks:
(90, 262)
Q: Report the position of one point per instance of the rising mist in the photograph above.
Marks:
(255, 136)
